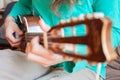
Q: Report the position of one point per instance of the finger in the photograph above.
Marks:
(15, 45)
(36, 47)
(40, 51)
(27, 50)
(18, 30)
(43, 25)
(55, 56)
(45, 53)
(39, 60)
(43, 61)
(11, 37)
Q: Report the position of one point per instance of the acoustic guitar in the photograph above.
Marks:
(97, 38)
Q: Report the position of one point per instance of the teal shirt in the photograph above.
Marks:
(42, 8)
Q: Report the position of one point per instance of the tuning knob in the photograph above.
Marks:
(68, 21)
(62, 22)
(98, 15)
(89, 16)
(74, 19)
(81, 17)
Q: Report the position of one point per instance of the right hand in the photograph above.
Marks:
(10, 28)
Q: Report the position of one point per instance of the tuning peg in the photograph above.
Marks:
(74, 19)
(89, 16)
(68, 21)
(98, 15)
(81, 17)
(68, 58)
(62, 22)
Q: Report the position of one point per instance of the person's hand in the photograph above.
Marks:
(10, 29)
(37, 53)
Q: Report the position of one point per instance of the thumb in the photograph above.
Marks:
(43, 25)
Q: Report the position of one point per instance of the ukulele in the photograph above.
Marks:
(97, 38)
